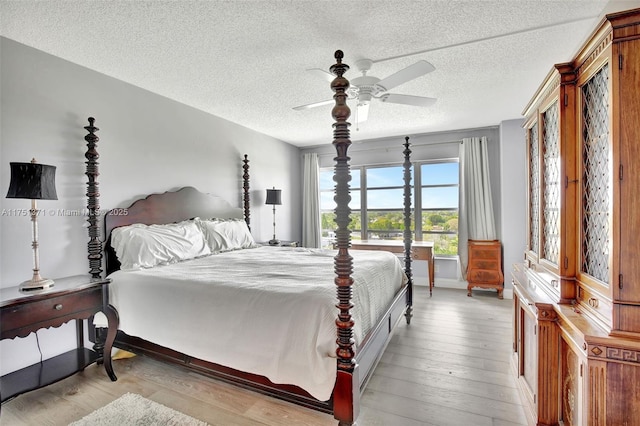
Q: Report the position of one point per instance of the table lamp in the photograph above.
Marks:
(273, 198)
(33, 181)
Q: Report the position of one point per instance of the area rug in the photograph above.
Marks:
(133, 409)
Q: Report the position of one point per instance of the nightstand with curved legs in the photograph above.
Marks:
(72, 298)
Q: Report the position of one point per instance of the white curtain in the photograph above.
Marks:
(311, 231)
(476, 206)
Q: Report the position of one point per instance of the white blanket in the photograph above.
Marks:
(268, 310)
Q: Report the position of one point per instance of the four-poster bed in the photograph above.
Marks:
(362, 333)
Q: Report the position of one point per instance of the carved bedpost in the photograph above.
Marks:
(245, 189)
(347, 390)
(407, 228)
(93, 200)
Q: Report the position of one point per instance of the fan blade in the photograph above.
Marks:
(313, 105)
(408, 99)
(322, 74)
(409, 73)
(363, 112)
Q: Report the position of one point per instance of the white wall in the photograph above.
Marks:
(513, 196)
(148, 144)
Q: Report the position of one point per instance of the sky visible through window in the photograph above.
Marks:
(380, 177)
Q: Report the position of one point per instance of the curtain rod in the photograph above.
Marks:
(390, 147)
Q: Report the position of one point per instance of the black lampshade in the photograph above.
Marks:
(273, 196)
(32, 181)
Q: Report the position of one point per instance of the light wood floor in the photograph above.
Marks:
(449, 367)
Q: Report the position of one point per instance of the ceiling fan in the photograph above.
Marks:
(366, 87)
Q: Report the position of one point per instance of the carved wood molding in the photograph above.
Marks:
(567, 74)
(584, 63)
(625, 24)
(614, 353)
(597, 382)
(548, 359)
(546, 313)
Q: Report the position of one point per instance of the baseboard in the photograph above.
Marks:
(507, 293)
(450, 283)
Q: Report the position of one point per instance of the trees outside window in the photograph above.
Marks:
(439, 188)
(377, 204)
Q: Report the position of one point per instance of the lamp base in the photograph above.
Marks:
(274, 242)
(34, 285)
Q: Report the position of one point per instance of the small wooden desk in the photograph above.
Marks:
(420, 250)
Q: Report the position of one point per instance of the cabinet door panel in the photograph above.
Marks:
(623, 379)
(629, 109)
(571, 386)
(629, 317)
(529, 351)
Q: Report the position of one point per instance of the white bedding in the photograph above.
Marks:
(267, 310)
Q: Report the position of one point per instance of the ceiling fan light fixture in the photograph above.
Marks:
(364, 65)
(365, 88)
(364, 97)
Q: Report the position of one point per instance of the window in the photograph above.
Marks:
(384, 203)
(377, 204)
(328, 205)
(439, 205)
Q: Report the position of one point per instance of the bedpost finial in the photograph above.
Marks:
(91, 129)
(338, 69)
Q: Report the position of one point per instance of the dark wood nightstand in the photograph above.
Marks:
(72, 298)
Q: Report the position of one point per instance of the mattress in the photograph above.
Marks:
(268, 310)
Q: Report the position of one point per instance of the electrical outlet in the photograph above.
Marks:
(436, 268)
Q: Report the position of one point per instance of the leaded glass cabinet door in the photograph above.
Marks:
(533, 155)
(550, 202)
(596, 184)
(552, 183)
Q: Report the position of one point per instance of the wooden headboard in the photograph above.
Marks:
(175, 206)
(169, 207)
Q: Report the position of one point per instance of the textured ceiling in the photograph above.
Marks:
(246, 61)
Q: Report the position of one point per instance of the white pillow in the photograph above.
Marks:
(146, 246)
(226, 234)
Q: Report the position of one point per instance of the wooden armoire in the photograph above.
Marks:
(576, 350)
